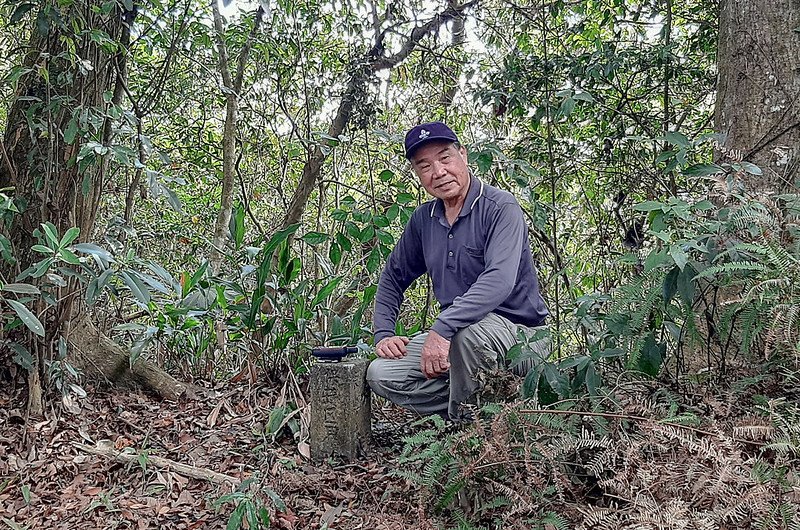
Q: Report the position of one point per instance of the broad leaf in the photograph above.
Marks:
(27, 318)
(20, 288)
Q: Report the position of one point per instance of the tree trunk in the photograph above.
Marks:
(758, 93)
(232, 87)
(100, 356)
(43, 137)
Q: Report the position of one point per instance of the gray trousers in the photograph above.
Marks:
(474, 350)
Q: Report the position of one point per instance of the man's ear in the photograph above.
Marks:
(463, 152)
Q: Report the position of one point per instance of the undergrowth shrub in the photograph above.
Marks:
(648, 464)
(718, 285)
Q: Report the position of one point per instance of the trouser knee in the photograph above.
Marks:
(376, 376)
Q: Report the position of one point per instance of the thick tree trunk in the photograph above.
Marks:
(39, 163)
(98, 355)
(758, 94)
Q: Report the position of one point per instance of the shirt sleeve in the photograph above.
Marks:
(502, 253)
(406, 263)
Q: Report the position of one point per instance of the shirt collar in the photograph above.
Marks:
(474, 193)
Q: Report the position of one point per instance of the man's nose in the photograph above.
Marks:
(438, 169)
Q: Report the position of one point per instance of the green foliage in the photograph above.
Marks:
(251, 505)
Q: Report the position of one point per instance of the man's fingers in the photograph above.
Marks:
(394, 350)
(392, 347)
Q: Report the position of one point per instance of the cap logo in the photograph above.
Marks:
(424, 133)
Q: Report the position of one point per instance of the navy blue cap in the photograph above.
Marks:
(427, 132)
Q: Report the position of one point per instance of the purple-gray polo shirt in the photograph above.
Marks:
(480, 265)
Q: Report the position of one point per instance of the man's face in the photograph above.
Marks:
(442, 170)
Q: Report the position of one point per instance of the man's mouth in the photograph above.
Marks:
(445, 184)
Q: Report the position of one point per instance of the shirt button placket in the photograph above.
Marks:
(450, 253)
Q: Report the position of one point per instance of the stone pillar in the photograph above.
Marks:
(340, 409)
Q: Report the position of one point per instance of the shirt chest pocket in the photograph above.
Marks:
(471, 263)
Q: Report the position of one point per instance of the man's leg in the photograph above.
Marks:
(401, 381)
(474, 350)
(481, 348)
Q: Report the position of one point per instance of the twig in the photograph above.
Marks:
(12, 172)
(104, 448)
(634, 418)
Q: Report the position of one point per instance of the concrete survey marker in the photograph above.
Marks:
(340, 409)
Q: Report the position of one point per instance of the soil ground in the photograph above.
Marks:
(47, 481)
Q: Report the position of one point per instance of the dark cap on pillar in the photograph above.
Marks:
(427, 132)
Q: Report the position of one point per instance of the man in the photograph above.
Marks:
(473, 241)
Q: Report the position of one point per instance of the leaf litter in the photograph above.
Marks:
(47, 481)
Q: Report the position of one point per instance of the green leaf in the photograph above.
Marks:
(343, 242)
(583, 96)
(89, 248)
(654, 259)
(702, 170)
(196, 277)
(23, 357)
(50, 233)
(386, 175)
(70, 236)
(670, 285)
(676, 138)
(405, 198)
(236, 226)
(235, 521)
(678, 254)
(315, 238)
(137, 287)
(567, 106)
(593, 380)
(686, 284)
(42, 267)
(751, 168)
(392, 212)
(374, 260)
(325, 292)
(651, 356)
(484, 161)
(367, 233)
(279, 237)
(666, 155)
(20, 288)
(27, 318)
(68, 256)
(70, 131)
(649, 206)
(43, 249)
(21, 11)
(335, 254)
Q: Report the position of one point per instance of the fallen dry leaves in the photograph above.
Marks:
(45, 482)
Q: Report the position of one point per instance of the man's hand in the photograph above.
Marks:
(435, 355)
(391, 347)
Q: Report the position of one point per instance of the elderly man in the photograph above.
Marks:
(473, 241)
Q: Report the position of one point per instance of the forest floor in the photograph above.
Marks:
(50, 478)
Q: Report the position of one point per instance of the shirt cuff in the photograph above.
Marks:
(445, 330)
(380, 336)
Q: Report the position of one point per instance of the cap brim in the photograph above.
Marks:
(411, 150)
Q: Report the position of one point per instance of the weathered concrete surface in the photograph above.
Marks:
(340, 409)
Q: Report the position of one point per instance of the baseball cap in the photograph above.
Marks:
(427, 132)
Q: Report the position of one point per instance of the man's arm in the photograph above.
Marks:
(406, 263)
(502, 254)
